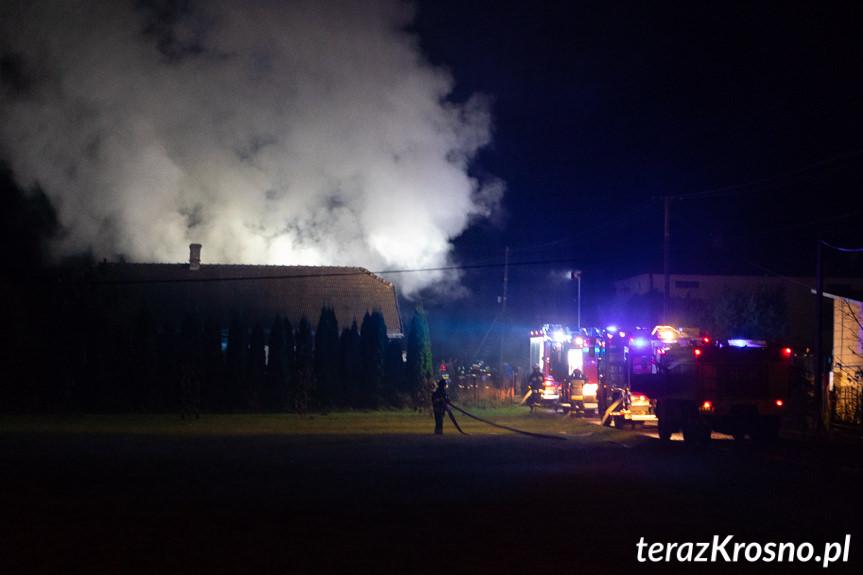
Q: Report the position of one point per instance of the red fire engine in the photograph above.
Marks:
(568, 361)
(734, 390)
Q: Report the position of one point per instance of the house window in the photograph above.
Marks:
(686, 284)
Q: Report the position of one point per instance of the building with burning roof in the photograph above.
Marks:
(256, 293)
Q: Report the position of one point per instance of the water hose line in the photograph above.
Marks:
(539, 435)
(454, 422)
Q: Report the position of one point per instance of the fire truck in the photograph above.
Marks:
(590, 371)
(568, 360)
(630, 371)
(734, 390)
(614, 373)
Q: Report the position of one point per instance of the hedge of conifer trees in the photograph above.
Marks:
(99, 354)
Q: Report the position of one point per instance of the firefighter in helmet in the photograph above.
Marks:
(535, 385)
(440, 404)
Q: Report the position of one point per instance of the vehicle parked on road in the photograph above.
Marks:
(738, 391)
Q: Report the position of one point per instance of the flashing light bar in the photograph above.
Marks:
(666, 333)
(738, 342)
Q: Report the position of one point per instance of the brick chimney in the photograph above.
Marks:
(194, 257)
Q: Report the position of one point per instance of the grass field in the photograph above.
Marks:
(401, 422)
(378, 492)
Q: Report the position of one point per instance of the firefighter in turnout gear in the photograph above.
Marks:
(535, 385)
(440, 404)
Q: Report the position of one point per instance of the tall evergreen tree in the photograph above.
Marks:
(326, 356)
(290, 366)
(276, 376)
(97, 366)
(351, 366)
(168, 380)
(27, 222)
(373, 340)
(394, 373)
(212, 390)
(236, 358)
(190, 350)
(144, 354)
(304, 380)
(257, 366)
(419, 377)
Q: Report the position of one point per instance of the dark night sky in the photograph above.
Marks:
(747, 114)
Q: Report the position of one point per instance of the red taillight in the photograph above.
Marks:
(697, 352)
(786, 352)
(707, 405)
(779, 403)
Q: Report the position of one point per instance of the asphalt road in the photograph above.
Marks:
(495, 503)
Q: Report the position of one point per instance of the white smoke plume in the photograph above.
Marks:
(292, 133)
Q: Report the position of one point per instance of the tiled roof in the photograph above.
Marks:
(257, 292)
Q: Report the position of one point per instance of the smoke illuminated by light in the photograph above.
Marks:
(284, 133)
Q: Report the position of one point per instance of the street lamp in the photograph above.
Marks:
(576, 275)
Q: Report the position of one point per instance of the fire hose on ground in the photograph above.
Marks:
(610, 409)
(460, 410)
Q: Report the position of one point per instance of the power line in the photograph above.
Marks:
(847, 162)
(317, 275)
(817, 170)
(641, 211)
(837, 248)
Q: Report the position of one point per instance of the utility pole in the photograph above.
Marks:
(577, 275)
(822, 421)
(667, 258)
(503, 316)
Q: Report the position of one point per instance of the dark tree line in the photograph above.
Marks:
(98, 352)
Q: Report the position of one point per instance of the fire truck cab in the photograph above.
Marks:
(568, 361)
(630, 372)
